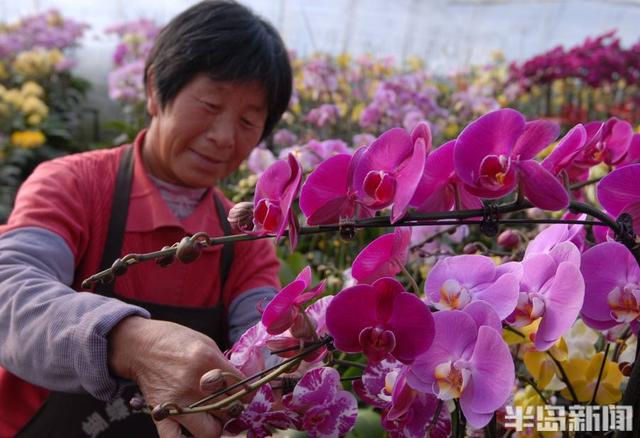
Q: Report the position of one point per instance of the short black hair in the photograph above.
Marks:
(227, 42)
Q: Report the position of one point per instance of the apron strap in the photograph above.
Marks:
(226, 256)
(118, 219)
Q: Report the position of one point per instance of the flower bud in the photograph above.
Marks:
(470, 248)
(509, 239)
(188, 250)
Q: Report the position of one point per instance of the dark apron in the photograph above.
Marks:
(81, 415)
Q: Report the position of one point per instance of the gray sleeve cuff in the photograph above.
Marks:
(51, 335)
(243, 311)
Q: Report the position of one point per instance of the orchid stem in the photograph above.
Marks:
(436, 417)
(604, 361)
(532, 384)
(411, 280)
(349, 363)
(565, 378)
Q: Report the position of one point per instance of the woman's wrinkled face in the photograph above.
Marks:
(205, 132)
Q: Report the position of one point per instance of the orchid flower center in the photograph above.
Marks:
(451, 379)
(268, 215)
(453, 295)
(380, 187)
(624, 302)
(389, 382)
(377, 342)
(530, 307)
(494, 170)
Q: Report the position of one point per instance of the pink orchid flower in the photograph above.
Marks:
(405, 411)
(612, 294)
(328, 196)
(325, 409)
(384, 257)
(276, 190)
(391, 167)
(455, 282)
(440, 189)
(496, 152)
(259, 419)
(468, 360)
(380, 319)
(552, 290)
(619, 192)
(606, 142)
(285, 311)
(566, 150)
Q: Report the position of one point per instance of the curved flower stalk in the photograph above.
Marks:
(495, 153)
(384, 257)
(552, 289)
(390, 169)
(324, 408)
(612, 294)
(276, 190)
(284, 311)
(328, 196)
(380, 319)
(455, 282)
(440, 189)
(471, 363)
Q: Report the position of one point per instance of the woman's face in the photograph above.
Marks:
(205, 132)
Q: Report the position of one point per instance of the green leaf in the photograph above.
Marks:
(367, 425)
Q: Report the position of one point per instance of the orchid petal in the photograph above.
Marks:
(541, 187)
(537, 135)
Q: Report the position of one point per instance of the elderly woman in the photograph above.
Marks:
(217, 81)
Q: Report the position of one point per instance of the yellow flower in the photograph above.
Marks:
(452, 130)
(343, 60)
(27, 139)
(4, 74)
(31, 88)
(414, 63)
(13, 97)
(34, 119)
(583, 375)
(33, 105)
(541, 366)
(529, 400)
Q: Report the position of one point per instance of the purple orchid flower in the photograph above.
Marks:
(552, 288)
(619, 192)
(559, 241)
(285, 311)
(495, 153)
(380, 319)
(259, 419)
(455, 282)
(440, 189)
(260, 159)
(608, 142)
(566, 151)
(390, 169)
(384, 257)
(471, 363)
(328, 196)
(633, 153)
(406, 412)
(612, 278)
(325, 409)
(276, 190)
(249, 353)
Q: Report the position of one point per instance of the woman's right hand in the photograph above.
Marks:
(167, 361)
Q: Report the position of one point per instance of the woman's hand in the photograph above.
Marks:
(167, 361)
